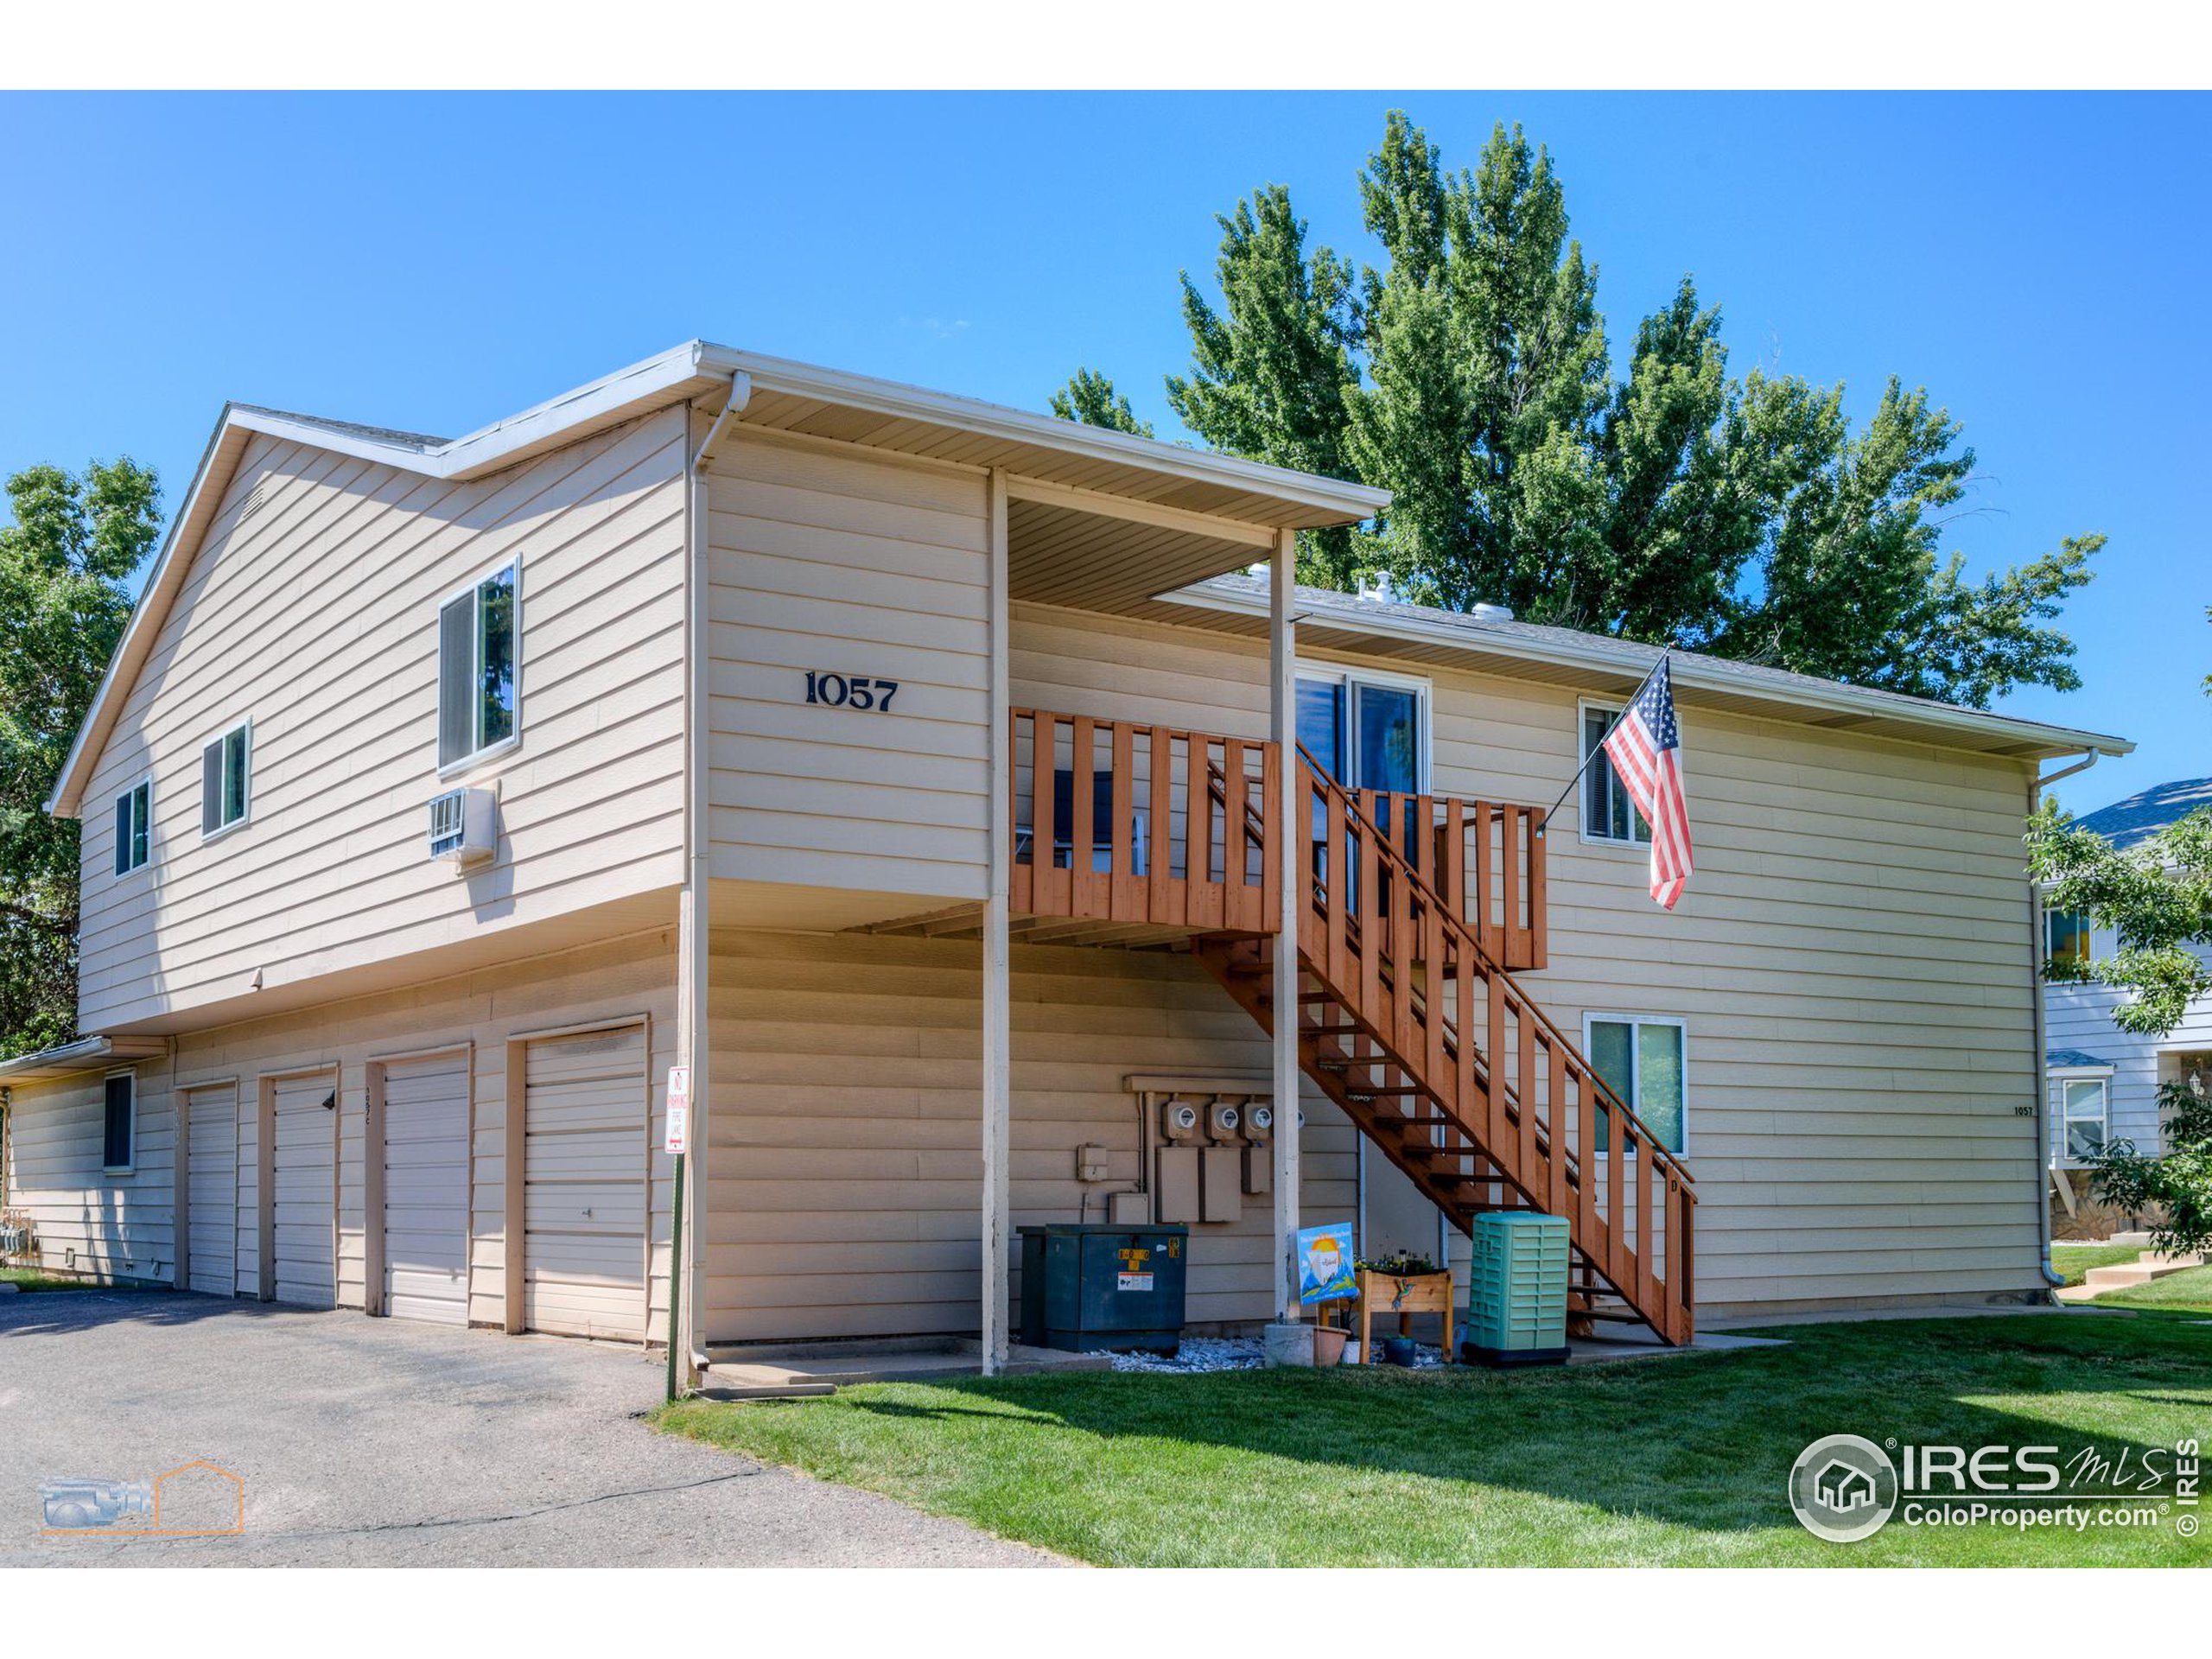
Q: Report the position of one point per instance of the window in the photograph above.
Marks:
(2066, 936)
(134, 828)
(2083, 1103)
(1365, 732)
(1644, 1058)
(122, 1123)
(225, 791)
(1608, 814)
(476, 668)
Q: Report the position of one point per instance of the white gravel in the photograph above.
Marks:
(1235, 1354)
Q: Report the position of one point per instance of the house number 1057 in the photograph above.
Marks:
(851, 691)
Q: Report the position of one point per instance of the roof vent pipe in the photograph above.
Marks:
(1491, 613)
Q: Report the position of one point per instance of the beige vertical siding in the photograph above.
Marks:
(847, 1157)
(54, 1136)
(835, 562)
(119, 1227)
(312, 609)
(1852, 958)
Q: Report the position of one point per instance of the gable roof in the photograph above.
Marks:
(771, 393)
(1488, 637)
(2139, 816)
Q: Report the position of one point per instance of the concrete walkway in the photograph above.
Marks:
(378, 1442)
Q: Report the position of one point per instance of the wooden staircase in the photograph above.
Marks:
(1415, 914)
(1428, 1043)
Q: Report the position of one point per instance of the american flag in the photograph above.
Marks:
(1645, 746)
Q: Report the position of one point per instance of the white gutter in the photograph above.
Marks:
(85, 1054)
(2042, 1160)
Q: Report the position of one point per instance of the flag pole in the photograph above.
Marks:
(1599, 747)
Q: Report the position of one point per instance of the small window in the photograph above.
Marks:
(1642, 1059)
(477, 689)
(122, 1123)
(2085, 1104)
(2066, 936)
(134, 827)
(225, 788)
(1608, 813)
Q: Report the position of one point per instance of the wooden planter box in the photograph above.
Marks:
(1405, 1295)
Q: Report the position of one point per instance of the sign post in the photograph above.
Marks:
(678, 1142)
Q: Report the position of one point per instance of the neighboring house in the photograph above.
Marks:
(919, 770)
(2103, 1082)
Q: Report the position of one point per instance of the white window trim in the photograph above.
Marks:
(1583, 707)
(137, 871)
(2056, 1077)
(253, 750)
(1622, 1016)
(1423, 688)
(505, 746)
(130, 1168)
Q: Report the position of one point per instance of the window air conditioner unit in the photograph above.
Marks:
(464, 825)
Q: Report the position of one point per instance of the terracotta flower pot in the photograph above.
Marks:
(1329, 1345)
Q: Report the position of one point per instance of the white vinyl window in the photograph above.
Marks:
(2066, 936)
(1367, 731)
(1608, 813)
(225, 779)
(479, 688)
(134, 827)
(120, 1130)
(2085, 1105)
(1644, 1058)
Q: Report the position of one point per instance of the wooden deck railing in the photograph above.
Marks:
(1484, 857)
(1119, 822)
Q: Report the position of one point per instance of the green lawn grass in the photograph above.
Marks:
(1674, 1460)
(32, 1279)
(2075, 1261)
(2186, 1292)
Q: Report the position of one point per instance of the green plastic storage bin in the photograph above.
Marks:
(1516, 1290)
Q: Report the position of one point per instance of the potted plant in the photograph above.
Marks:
(1404, 1284)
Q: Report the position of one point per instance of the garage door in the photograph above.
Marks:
(304, 1206)
(426, 1189)
(211, 1161)
(584, 1184)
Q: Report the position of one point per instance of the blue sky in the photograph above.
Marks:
(435, 263)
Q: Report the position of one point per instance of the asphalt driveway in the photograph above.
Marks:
(378, 1442)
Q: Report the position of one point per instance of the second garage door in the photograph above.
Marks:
(304, 1202)
(426, 1189)
(211, 1160)
(584, 1184)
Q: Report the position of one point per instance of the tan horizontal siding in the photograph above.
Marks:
(88, 1222)
(315, 614)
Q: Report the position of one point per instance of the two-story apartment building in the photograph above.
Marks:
(949, 790)
(2102, 1083)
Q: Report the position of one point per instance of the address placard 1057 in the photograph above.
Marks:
(851, 691)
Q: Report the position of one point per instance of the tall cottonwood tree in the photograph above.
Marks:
(64, 563)
(1469, 373)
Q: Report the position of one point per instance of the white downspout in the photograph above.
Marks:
(693, 950)
(2036, 788)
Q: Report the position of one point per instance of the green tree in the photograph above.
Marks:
(64, 561)
(1470, 374)
(1089, 398)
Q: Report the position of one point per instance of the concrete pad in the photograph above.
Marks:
(800, 1371)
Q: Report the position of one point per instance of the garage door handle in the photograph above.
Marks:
(587, 1215)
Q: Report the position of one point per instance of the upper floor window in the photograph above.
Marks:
(1644, 1058)
(477, 687)
(134, 826)
(1608, 814)
(1365, 732)
(2066, 936)
(119, 1142)
(226, 787)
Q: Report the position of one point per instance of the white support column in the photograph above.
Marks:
(998, 1088)
(1286, 845)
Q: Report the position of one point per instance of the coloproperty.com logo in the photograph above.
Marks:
(1844, 1488)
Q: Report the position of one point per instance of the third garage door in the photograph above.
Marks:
(584, 1184)
(426, 1189)
(304, 1201)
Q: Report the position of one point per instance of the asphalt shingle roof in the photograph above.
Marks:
(2141, 816)
(2072, 1057)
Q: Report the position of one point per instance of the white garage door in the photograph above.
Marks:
(211, 1161)
(305, 1193)
(584, 1184)
(426, 1189)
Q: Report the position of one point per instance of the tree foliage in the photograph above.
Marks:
(1089, 397)
(1469, 373)
(64, 563)
(2177, 1188)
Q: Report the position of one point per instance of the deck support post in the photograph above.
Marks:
(1286, 842)
(997, 1092)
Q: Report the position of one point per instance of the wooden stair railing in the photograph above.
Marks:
(1425, 1041)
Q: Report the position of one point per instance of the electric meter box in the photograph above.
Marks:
(1093, 1286)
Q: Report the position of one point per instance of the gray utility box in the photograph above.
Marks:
(1086, 1286)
